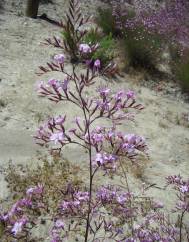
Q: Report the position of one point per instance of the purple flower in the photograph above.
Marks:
(82, 196)
(184, 188)
(53, 82)
(130, 138)
(35, 190)
(57, 137)
(25, 202)
(122, 198)
(104, 91)
(60, 120)
(130, 94)
(57, 85)
(85, 48)
(18, 226)
(59, 58)
(97, 137)
(99, 159)
(65, 84)
(59, 224)
(158, 204)
(119, 95)
(97, 64)
(107, 161)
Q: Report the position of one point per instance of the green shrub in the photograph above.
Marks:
(180, 66)
(105, 52)
(182, 74)
(107, 21)
(53, 175)
(93, 36)
(142, 49)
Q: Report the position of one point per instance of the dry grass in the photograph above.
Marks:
(53, 175)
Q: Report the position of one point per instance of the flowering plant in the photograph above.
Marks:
(108, 144)
(169, 20)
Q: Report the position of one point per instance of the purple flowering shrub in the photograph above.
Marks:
(141, 48)
(106, 20)
(169, 20)
(23, 215)
(180, 68)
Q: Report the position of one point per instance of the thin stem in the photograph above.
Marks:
(181, 225)
(125, 176)
(128, 189)
(87, 121)
(90, 185)
(75, 142)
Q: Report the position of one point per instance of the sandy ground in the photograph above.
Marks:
(164, 121)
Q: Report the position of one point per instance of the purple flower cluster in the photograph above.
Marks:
(121, 144)
(182, 187)
(107, 161)
(56, 230)
(76, 204)
(154, 228)
(55, 90)
(169, 20)
(114, 106)
(85, 48)
(59, 59)
(53, 131)
(112, 195)
(17, 218)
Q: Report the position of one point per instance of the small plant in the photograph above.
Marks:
(53, 175)
(93, 36)
(142, 49)
(105, 52)
(106, 46)
(180, 66)
(107, 21)
(93, 213)
(182, 73)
